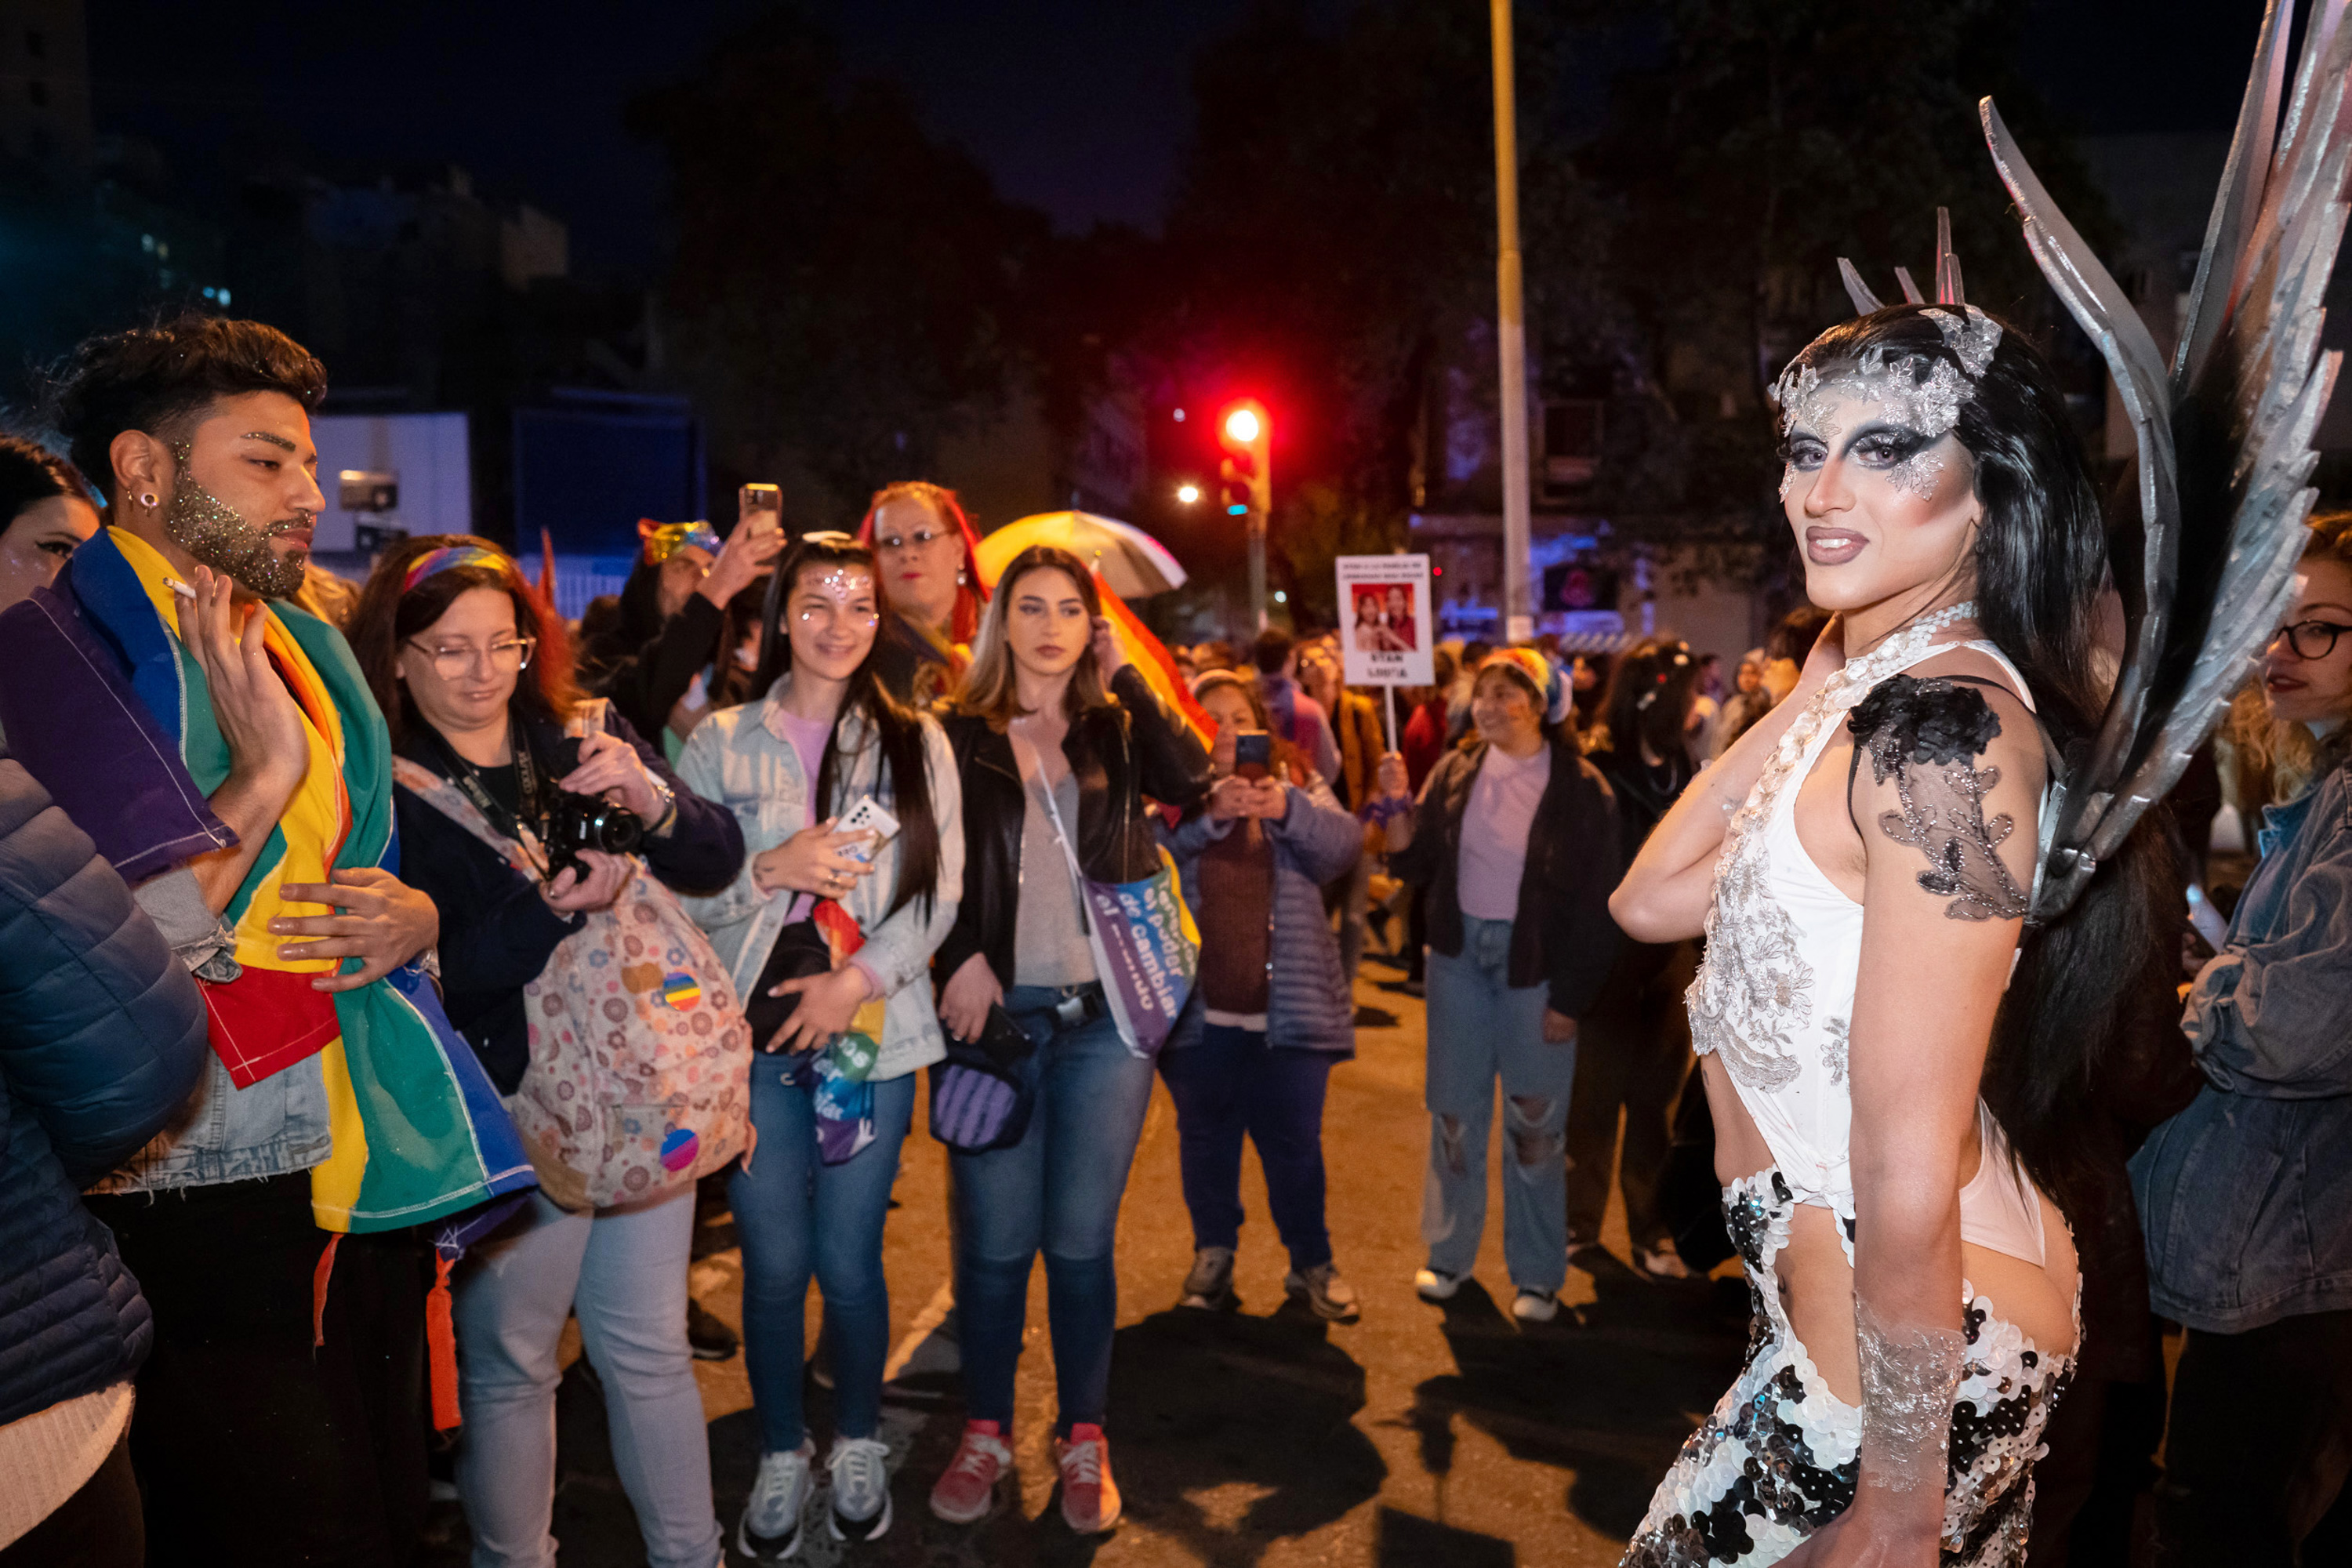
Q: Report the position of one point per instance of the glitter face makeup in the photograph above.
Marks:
(217, 534)
(845, 586)
(1918, 474)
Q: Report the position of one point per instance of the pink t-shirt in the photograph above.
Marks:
(1494, 829)
(808, 737)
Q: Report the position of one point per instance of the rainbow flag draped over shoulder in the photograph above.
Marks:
(103, 705)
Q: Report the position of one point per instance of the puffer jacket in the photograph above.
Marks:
(1315, 840)
(101, 1035)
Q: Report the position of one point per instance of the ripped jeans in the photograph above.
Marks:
(1480, 1028)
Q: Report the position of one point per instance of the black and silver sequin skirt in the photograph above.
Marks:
(1776, 1460)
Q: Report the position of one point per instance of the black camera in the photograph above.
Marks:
(578, 822)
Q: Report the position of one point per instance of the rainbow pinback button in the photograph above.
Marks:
(680, 990)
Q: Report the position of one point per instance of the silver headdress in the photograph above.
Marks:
(1923, 391)
(2225, 437)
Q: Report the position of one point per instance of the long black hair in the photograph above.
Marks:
(2042, 563)
(1649, 700)
(898, 728)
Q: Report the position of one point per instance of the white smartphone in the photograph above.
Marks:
(868, 817)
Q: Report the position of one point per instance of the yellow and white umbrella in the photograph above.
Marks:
(1133, 564)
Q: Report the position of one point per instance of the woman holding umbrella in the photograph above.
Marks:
(923, 545)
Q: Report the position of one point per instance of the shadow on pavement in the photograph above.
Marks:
(1609, 1390)
(1407, 1540)
(1234, 1431)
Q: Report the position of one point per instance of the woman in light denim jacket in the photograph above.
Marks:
(825, 735)
(2246, 1196)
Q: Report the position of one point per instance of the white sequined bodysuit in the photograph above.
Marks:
(1778, 1456)
(1775, 994)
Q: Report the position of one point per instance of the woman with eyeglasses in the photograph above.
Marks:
(2245, 1197)
(923, 546)
(474, 675)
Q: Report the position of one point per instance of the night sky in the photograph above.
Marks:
(1078, 107)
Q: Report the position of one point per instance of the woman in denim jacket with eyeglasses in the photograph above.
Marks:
(2246, 1196)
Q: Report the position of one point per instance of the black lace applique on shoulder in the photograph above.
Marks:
(1927, 735)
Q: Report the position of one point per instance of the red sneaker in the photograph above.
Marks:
(1089, 1497)
(968, 1489)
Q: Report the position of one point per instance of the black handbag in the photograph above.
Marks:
(800, 951)
(981, 1099)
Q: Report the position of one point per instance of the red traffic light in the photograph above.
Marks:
(1242, 424)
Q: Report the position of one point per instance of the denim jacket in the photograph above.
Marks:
(2245, 1197)
(734, 758)
(221, 1132)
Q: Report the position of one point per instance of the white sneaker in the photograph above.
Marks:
(1534, 1305)
(1435, 1284)
(860, 1469)
(770, 1530)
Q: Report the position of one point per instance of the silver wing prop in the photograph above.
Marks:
(2224, 434)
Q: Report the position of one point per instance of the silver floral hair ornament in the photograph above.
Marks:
(1923, 392)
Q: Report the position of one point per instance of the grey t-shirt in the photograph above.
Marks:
(1049, 944)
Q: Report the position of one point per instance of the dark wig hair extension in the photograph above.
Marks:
(899, 729)
(2042, 563)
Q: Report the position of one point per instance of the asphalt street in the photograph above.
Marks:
(1418, 1436)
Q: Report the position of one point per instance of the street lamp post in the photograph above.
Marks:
(1518, 601)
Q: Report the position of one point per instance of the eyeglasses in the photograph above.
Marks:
(452, 661)
(2311, 639)
(922, 539)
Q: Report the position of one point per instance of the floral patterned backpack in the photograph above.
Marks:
(639, 1079)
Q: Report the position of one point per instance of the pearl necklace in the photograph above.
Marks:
(1950, 615)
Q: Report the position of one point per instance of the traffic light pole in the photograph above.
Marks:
(1519, 599)
(1257, 567)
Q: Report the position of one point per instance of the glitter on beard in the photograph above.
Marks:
(217, 534)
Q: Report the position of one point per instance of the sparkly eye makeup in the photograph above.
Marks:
(1906, 455)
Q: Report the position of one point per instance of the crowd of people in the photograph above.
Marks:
(384, 972)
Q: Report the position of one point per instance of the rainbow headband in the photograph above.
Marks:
(1538, 672)
(434, 562)
(664, 540)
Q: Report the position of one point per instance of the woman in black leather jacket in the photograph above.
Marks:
(1041, 748)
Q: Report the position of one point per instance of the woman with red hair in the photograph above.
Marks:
(923, 548)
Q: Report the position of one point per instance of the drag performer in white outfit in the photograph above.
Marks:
(1919, 877)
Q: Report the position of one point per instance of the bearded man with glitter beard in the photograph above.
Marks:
(224, 753)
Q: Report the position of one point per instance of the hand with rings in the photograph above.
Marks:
(813, 860)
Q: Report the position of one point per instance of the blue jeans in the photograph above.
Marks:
(1231, 1083)
(1057, 1191)
(797, 1216)
(622, 1272)
(1481, 1027)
